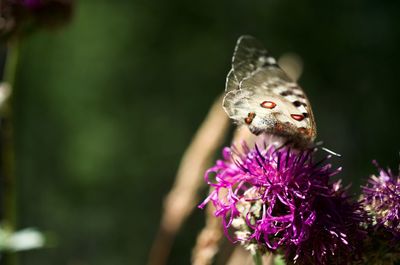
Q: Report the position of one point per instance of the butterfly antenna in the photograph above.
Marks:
(330, 152)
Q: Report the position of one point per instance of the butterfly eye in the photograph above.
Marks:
(268, 104)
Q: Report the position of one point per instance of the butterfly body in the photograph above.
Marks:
(260, 95)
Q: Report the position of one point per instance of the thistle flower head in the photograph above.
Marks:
(280, 199)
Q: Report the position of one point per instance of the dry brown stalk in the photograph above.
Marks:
(208, 241)
(182, 198)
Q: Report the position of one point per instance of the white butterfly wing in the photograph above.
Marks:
(260, 94)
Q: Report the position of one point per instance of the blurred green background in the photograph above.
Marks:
(106, 107)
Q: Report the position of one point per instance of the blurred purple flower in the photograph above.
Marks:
(32, 3)
(381, 198)
(17, 17)
(279, 199)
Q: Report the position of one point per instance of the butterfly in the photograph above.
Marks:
(260, 95)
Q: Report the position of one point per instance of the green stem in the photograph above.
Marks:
(7, 148)
(11, 63)
(257, 258)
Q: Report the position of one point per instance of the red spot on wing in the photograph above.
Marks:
(268, 104)
(249, 118)
(297, 117)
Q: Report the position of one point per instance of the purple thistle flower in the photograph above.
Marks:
(279, 199)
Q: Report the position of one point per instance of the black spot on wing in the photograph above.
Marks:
(299, 103)
(286, 93)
